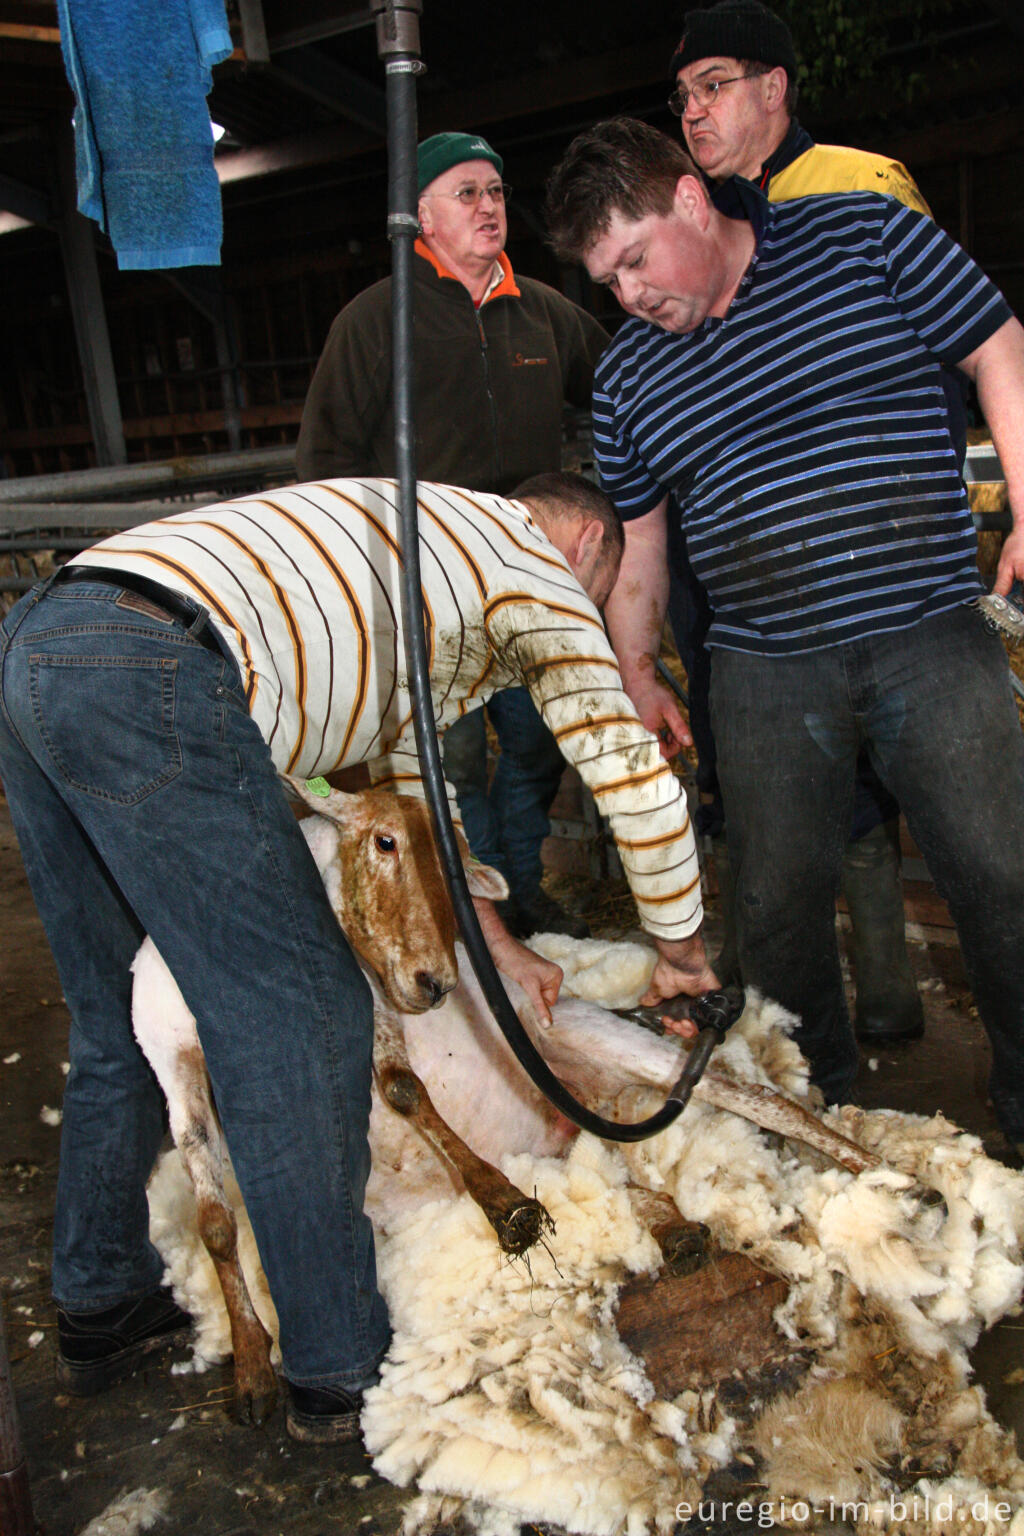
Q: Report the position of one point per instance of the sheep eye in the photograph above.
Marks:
(384, 843)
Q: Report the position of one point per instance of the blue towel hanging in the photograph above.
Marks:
(143, 145)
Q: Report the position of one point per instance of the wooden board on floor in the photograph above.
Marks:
(696, 1329)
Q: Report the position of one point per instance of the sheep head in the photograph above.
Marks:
(376, 853)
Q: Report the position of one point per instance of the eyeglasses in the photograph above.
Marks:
(704, 93)
(497, 191)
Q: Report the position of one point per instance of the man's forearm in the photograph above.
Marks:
(635, 611)
(997, 368)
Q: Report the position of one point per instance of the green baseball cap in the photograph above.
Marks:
(443, 150)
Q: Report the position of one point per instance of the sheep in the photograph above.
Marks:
(385, 883)
(508, 1393)
(376, 854)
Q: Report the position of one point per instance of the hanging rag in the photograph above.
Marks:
(143, 142)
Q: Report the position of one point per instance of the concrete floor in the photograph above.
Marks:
(171, 1432)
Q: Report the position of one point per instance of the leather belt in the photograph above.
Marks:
(168, 604)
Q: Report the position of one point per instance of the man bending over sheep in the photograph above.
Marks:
(153, 691)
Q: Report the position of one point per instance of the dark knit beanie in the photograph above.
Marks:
(443, 150)
(736, 29)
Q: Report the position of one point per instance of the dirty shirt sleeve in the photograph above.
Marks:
(559, 650)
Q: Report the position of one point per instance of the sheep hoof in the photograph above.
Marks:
(254, 1405)
(521, 1225)
(685, 1247)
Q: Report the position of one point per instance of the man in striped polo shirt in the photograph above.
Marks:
(734, 78)
(151, 695)
(780, 380)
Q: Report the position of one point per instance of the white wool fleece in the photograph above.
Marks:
(507, 1394)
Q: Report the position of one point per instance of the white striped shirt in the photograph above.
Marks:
(304, 586)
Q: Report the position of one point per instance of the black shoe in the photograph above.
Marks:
(891, 1027)
(540, 913)
(323, 1415)
(97, 1349)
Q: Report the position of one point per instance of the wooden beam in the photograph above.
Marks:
(320, 19)
(334, 86)
(178, 424)
(341, 141)
(979, 139)
(78, 247)
(254, 32)
(1010, 12)
(26, 34)
(579, 80)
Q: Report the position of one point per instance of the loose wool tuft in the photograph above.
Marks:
(615, 975)
(130, 1513)
(508, 1397)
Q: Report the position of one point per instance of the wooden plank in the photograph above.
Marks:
(694, 1330)
(184, 425)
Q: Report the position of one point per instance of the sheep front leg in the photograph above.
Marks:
(519, 1220)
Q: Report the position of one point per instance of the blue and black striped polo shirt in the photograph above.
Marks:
(804, 436)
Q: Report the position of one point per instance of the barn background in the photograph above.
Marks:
(206, 359)
(120, 372)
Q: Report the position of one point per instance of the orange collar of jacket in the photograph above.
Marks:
(508, 286)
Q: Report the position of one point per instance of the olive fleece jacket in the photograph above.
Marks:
(490, 383)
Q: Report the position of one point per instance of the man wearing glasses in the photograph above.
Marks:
(497, 357)
(734, 73)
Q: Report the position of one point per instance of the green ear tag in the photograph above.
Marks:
(318, 787)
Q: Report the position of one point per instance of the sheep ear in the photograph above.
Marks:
(322, 840)
(335, 804)
(485, 881)
(482, 879)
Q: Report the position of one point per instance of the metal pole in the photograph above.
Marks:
(128, 480)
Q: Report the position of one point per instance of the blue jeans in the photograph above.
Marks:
(934, 708)
(145, 801)
(506, 825)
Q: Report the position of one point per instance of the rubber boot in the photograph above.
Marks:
(727, 964)
(888, 1005)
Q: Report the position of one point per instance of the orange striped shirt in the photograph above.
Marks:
(304, 586)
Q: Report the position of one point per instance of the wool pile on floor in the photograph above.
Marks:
(508, 1395)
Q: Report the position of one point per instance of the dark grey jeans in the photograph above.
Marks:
(934, 707)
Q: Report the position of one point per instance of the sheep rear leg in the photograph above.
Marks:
(519, 1220)
(773, 1111)
(199, 1140)
(166, 1031)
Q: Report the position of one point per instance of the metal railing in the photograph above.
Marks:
(48, 516)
